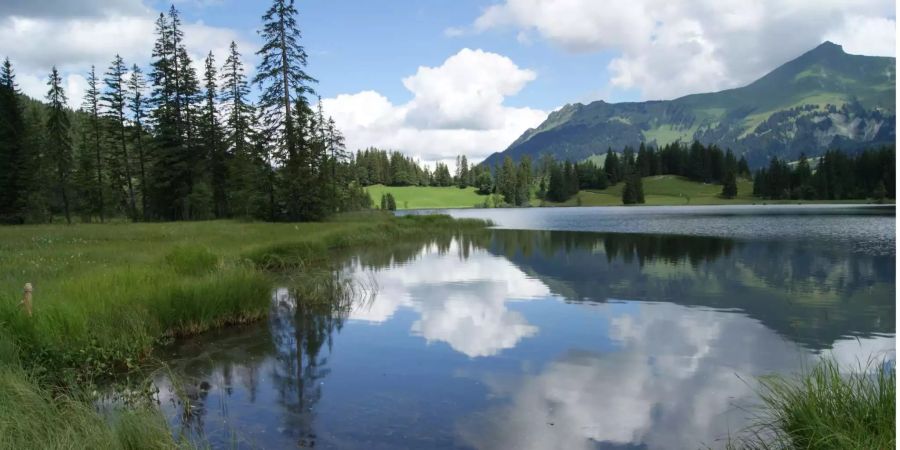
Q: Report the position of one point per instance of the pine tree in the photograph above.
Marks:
(336, 145)
(12, 151)
(245, 168)
(175, 99)
(612, 168)
(284, 107)
(92, 108)
(114, 98)
(633, 192)
(729, 184)
(135, 97)
(507, 181)
(523, 182)
(211, 136)
(59, 141)
(281, 74)
(37, 170)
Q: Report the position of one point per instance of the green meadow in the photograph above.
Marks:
(663, 190)
(106, 295)
(428, 197)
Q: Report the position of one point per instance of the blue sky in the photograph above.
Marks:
(356, 45)
(437, 78)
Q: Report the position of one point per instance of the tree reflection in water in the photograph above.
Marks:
(623, 332)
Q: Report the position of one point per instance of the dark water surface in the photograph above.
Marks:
(543, 339)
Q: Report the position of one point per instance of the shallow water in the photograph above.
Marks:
(545, 339)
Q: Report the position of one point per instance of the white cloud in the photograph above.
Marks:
(666, 49)
(464, 306)
(457, 108)
(37, 36)
(680, 378)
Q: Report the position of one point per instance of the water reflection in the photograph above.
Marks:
(514, 339)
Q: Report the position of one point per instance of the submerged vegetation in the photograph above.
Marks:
(826, 408)
(105, 295)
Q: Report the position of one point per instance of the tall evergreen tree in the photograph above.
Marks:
(92, 108)
(175, 98)
(506, 181)
(211, 136)
(12, 151)
(729, 183)
(237, 108)
(114, 98)
(246, 167)
(59, 141)
(523, 181)
(285, 110)
(281, 72)
(136, 105)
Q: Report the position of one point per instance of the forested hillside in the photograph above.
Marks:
(824, 99)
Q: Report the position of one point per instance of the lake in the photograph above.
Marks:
(576, 328)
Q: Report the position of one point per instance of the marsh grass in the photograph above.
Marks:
(825, 407)
(105, 295)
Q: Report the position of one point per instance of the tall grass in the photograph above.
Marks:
(826, 407)
(105, 295)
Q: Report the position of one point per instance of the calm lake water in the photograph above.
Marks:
(644, 332)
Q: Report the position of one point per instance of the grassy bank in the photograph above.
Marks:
(825, 408)
(105, 295)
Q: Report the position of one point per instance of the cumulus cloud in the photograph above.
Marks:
(457, 108)
(667, 49)
(677, 380)
(42, 34)
(464, 306)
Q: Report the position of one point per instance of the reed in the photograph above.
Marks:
(106, 295)
(825, 407)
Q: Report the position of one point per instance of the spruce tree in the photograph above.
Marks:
(59, 141)
(287, 116)
(245, 167)
(174, 97)
(136, 104)
(114, 98)
(281, 74)
(92, 108)
(211, 136)
(12, 151)
(507, 184)
(729, 184)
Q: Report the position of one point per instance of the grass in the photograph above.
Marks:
(106, 295)
(664, 190)
(427, 197)
(826, 408)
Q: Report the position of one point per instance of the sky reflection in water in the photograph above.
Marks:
(536, 339)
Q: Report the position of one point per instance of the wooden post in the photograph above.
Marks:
(26, 299)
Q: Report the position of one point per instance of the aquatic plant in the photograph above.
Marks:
(825, 407)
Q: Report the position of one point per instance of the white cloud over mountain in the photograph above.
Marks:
(457, 108)
(667, 49)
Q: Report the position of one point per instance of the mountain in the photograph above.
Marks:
(824, 99)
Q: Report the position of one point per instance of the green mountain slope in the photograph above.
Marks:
(823, 99)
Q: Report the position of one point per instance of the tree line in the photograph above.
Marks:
(696, 162)
(174, 144)
(836, 176)
(392, 168)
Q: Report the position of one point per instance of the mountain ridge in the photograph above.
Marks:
(824, 98)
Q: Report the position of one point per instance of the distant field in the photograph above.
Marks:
(424, 197)
(658, 190)
(664, 190)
